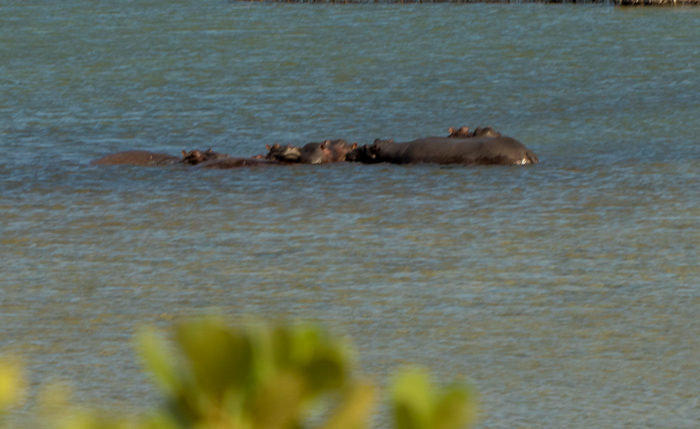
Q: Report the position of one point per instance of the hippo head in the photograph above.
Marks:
(361, 154)
(379, 146)
(486, 132)
(340, 149)
(286, 153)
(369, 154)
(462, 132)
(195, 157)
(317, 153)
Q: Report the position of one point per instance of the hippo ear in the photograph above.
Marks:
(209, 151)
(267, 146)
(354, 146)
(276, 145)
(326, 144)
(451, 130)
(184, 154)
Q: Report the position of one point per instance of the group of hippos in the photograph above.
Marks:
(483, 146)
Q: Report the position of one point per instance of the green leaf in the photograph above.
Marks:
(220, 358)
(456, 409)
(325, 373)
(278, 404)
(355, 408)
(413, 398)
(158, 358)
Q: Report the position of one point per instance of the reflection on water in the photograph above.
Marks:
(567, 290)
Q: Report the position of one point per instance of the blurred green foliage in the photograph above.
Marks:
(12, 384)
(214, 376)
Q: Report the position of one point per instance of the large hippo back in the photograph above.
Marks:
(465, 151)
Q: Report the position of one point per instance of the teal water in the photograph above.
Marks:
(567, 292)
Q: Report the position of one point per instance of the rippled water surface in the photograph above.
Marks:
(568, 291)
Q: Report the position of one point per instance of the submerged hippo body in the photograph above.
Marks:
(286, 153)
(238, 162)
(195, 157)
(448, 150)
(136, 157)
(326, 152)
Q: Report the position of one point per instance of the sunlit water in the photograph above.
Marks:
(568, 292)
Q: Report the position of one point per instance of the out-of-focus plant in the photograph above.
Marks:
(418, 405)
(256, 377)
(57, 412)
(12, 384)
(263, 377)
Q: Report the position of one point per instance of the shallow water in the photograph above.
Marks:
(566, 291)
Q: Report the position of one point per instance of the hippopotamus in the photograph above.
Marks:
(447, 150)
(214, 160)
(366, 154)
(237, 162)
(286, 153)
(196, 156)
(462, 132)
(316, 153)
(325, 152)
(340, 149)
(136, 157)
(485, 132)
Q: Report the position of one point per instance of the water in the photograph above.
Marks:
(566, 291)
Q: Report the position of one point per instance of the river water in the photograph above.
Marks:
(567, 292)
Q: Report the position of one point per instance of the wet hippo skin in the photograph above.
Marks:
(447, 150)
(238, 162)
(136, 157)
